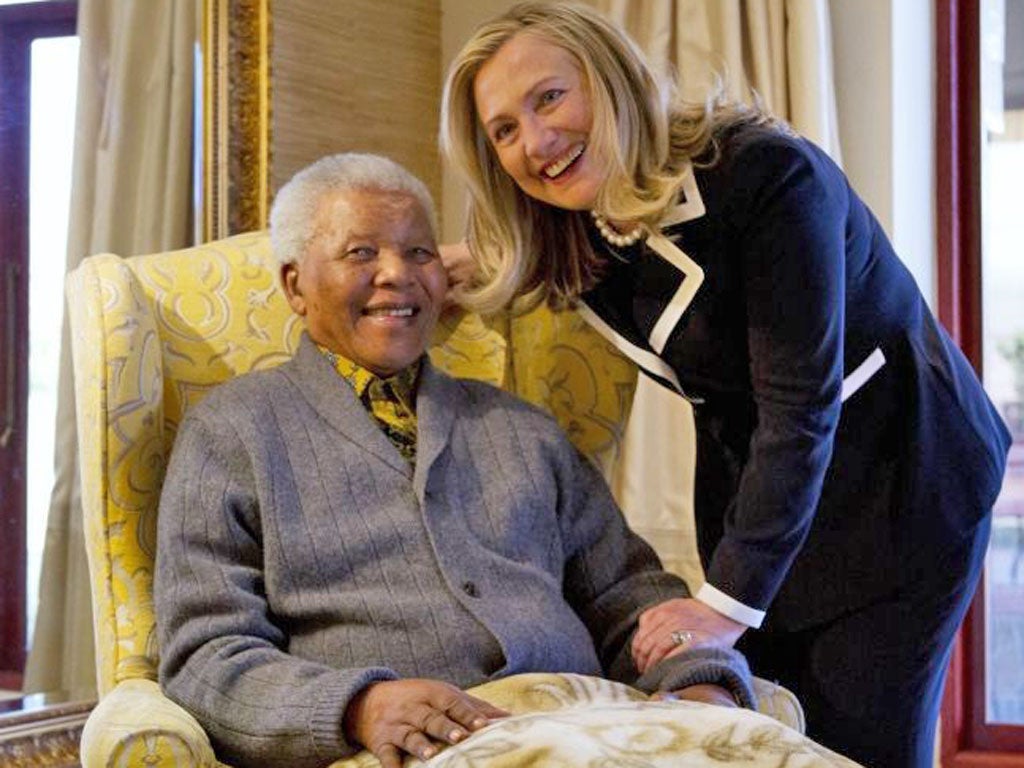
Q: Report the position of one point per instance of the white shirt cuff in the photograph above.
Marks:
(727, 606)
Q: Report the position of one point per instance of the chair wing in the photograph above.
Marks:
(150, 336)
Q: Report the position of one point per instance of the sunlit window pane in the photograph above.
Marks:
(1003, 351)
(54, 86)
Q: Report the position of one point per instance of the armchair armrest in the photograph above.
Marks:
(135, 724)
(780, 703)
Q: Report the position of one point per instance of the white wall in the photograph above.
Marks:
(885, 93)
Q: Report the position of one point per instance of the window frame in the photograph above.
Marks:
(20, 25)
(967, 741)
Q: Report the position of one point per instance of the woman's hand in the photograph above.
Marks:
(411, 716)
(458, 261)
(694, 624)
(705, 693)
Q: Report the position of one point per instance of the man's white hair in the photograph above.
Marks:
(293, 214)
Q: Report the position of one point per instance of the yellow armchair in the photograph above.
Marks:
(150, 336)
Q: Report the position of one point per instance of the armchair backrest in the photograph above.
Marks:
(150, 335)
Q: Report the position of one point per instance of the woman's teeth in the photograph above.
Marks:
(391, 312)
(556, 168)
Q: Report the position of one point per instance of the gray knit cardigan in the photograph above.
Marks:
(300, 558)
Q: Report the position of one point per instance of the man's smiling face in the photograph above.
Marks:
(371, 284)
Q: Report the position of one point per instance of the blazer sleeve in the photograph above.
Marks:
(222, 656)
(791, 205)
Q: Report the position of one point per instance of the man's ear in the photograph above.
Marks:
(292, 291)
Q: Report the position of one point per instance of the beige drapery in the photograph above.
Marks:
(131, 194)
(782, 50)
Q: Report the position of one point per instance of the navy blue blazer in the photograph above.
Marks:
(843, 441)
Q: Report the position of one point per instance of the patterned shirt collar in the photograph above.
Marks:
(403, 383)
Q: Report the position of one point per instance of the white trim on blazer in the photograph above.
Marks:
(691, 208)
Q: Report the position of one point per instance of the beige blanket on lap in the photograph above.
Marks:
(572, 721)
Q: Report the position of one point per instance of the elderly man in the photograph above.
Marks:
(348, 540)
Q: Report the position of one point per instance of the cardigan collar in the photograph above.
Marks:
(437, 401)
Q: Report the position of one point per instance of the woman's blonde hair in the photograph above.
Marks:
(526, 248)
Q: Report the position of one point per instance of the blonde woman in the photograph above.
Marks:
(847, 456)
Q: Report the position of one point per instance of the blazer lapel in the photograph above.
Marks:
(642, 356)
(647, 356)
(691, 280)
(691, 205)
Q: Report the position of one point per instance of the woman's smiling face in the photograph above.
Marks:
(534, 105)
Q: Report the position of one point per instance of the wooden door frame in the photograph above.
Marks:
(19, 26)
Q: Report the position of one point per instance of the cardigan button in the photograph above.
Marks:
(470, 589)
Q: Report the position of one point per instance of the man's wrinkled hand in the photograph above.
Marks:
(396, 717)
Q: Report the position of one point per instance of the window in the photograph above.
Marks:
(981, 279)
(1002, 348)
(27, 33)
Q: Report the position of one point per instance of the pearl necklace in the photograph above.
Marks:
(617, 239)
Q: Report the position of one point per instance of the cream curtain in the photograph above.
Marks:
(782, 50)
(131, 194)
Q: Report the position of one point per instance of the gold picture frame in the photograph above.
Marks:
(234, 150)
